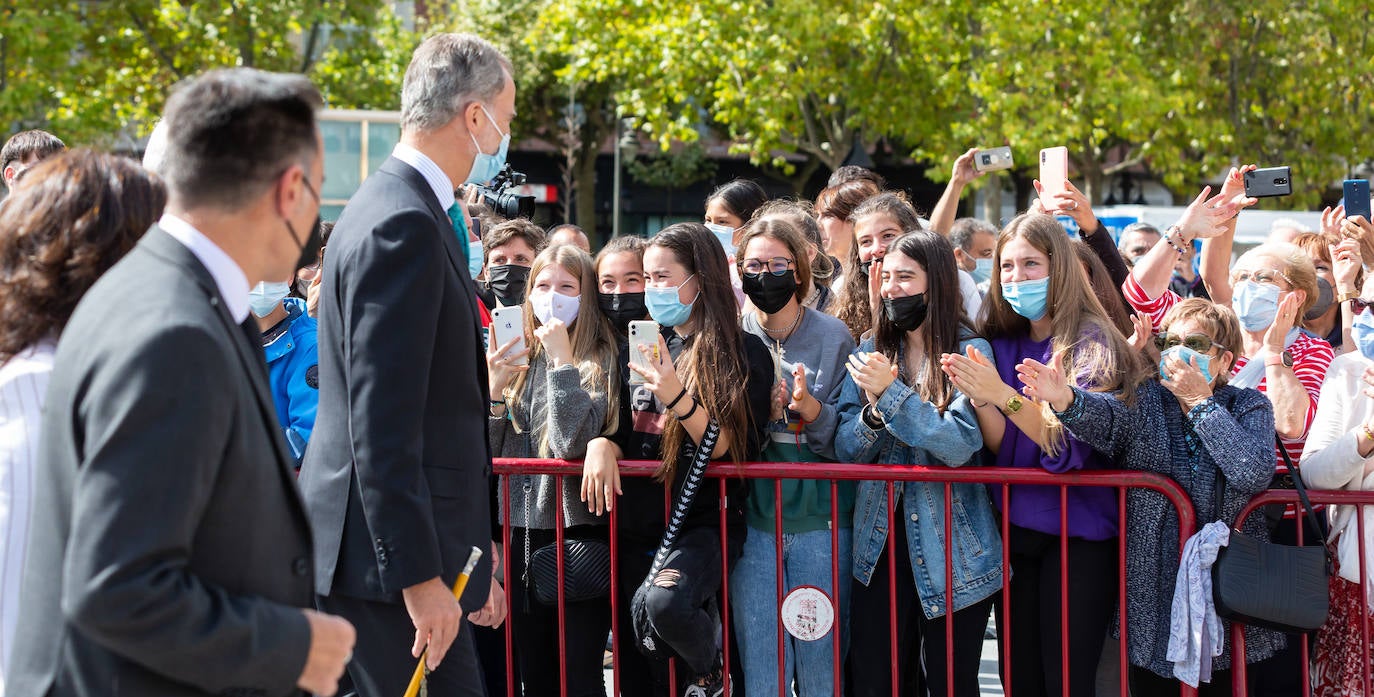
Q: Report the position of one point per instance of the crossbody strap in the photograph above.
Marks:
(700, 459)
(1306, 503)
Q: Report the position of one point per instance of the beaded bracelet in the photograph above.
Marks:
(1169, 234)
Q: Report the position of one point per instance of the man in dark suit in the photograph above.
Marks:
(396, 475)
(170, 548)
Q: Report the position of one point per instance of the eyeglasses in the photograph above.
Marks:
(1197, 342)
(776, 266)
(1270, 276)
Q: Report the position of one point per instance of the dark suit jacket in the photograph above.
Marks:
(396, 474)
(169, 549)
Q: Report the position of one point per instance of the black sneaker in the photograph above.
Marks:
(711, 685)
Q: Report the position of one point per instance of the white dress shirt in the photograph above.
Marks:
(229, 278)
(1331, 458)
(23, 386)
(435, 177)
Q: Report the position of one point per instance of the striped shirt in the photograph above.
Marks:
(1311, 357)
(23, 385)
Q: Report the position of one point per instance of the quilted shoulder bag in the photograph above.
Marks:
(586, 571)
(1263, 584)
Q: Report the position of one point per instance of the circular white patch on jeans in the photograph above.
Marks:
(807, 613)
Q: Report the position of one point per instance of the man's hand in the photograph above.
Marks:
(331, 648)
(494, 612)
(436, 616)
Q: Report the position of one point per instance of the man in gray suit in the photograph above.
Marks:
(170, 553)
(396, 475)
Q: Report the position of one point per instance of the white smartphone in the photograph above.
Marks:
(992, 160)
(1054, 171)
(641, 332)
(509, 323)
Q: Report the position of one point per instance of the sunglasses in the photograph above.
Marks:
(1197, 342)
(1358, 305)
(1261, 276)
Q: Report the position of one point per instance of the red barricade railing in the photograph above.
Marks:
(993, 477)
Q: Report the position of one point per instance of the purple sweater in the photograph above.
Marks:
(1092, 510)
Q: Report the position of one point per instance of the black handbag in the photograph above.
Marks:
(1263, 584)
(646, 637)
(586, 571)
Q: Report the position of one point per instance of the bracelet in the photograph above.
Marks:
(496, 403)
(1347, 296)
(1167, 239)
(1368, 434)
(689, 413)
(871, 418)
(677, 399)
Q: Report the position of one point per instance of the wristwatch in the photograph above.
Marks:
(1014, 404)
(1284, 359)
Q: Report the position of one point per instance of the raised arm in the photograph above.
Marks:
(947, 209)
(1215, 266)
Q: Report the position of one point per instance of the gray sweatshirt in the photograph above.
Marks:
(553, 400)
(821, 343)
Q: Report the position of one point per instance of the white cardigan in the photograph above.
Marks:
(1331, 458)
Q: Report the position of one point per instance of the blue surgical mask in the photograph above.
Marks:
(485, 167)
(982, 270)
(476, 257)
(665, 307)
(1183, 353)
(1362, 332)
(1028, 298)
(548, 306)
(725, 235)
(265, 297)
(1256, 304)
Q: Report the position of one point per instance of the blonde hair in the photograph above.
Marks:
(1300, 271)
(594, 350)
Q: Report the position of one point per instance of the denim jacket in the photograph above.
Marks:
(952, 439)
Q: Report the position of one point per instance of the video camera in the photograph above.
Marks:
(504, 202)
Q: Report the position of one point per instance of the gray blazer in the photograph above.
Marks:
(170, 551)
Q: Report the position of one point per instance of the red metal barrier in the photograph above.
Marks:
(1003, 477)
(1359, 499)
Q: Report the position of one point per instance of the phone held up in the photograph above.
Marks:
(1054, 171)
(1268, 182)
(992, 160)
(509, 323)
(1357, 198)
(641, 332)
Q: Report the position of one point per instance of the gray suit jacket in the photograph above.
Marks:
(169, 552)
(396, 475)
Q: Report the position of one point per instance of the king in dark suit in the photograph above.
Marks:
(170, 553)
(396, 475)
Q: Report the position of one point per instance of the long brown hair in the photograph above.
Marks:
(946, 319)
(68, 221)
(853, 308)
(1096, 352)
(1103, 288)
(594, 350)
(713, 367)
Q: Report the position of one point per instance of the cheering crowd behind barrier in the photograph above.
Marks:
(197, 501)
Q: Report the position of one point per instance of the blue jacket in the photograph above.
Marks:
(292, 363)
(952, 439)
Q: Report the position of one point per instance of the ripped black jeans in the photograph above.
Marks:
(682, 602)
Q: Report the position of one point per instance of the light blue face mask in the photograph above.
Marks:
(665, 307)
(265, 297)
(485, 167)
(476, 257)
(1028, 298)
(1183, 353)
(725, 235)
(1256, 304)
(1362, 332)
(982, 270)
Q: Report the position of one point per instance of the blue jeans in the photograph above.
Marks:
(754, 610)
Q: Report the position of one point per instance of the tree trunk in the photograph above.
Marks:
(585, 206)
(992, 199)
(1093, 181)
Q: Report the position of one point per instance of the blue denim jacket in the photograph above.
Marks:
(952, 439)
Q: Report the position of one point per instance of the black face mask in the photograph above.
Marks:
(310, 251)
(507, 282)
(768, 292)
(1325, 296)
(622, 308)
(906, 313)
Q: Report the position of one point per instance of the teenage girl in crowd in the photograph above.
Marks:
(834, 205)
(823, 267)
(566, 396)
(877, 222)
(895, 394)
(810, 349)
(1040, 304)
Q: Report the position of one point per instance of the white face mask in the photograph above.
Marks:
(725, 235)
(265, 297)
(549, 306)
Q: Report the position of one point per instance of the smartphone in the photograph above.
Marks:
(992, 160)
(1267, 182)
(1054, 171)
(1357, 198)
(509, 323)
(641, 332)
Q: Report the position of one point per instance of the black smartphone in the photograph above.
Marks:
(1357, 198)
(1267, 182)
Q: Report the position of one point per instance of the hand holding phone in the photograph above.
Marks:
(1268, 182)
(992, 160)
(1357, 198)
(1054, 171)
(646, 333)
(507, 324)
